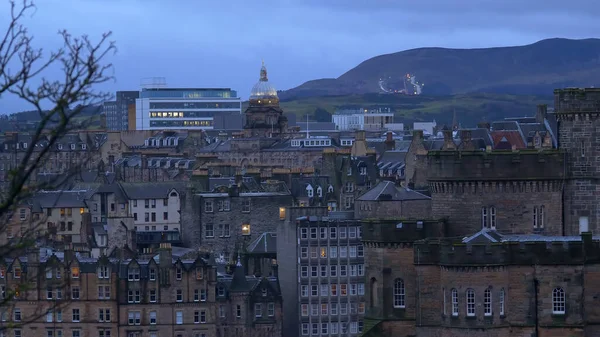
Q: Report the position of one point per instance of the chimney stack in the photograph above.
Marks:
(449, 144)
(390, 143)
(540, 115)
(466, 141)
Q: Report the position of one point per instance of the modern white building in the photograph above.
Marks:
(362, 119)
(184, 108)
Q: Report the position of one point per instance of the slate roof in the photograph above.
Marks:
(153, 190)
(396, 193)
(266, 243)
(487, 235)
(59, 199)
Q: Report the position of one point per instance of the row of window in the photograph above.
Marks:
(225, 205)
(224, 230)
(332, 252)
(323, 233)
(332, 271)
(179, 123)
(18, 272)
(133, 273)
(332, 309)
(332, 328)
(335, 289)
(325, 290)
(151, 217)
(488, 217)
(151, 203)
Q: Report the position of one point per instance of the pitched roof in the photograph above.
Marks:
(154, 190)
(386, 188)
(266, 243)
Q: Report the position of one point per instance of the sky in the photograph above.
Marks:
(220, 43)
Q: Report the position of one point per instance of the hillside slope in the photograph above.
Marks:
(534, 69)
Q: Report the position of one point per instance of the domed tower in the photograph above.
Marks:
(264, 117)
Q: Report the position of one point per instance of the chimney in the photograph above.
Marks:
(540, 115)
(165, 255)
(466, 141)
(483, 125)
(390, 143)
(449, 144)
(359, 147)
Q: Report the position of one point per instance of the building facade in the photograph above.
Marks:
(322, 270)
(184, 108)
(154, 296)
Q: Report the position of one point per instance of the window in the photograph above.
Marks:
(541, 217)
(246, 229)
(304, 291)
(152, 295)
(17, 333)
(209, 231)
(535, 217)
(49, 316)
(323, 253)
(104, 292)
(178, 273)
(305, 329)
(222, 312)
(502, 294)
(271, 309)
(49, 293)
(399, 299)
(134, 318)
(104, 333)
(493, 217)
(179, 295)
(324, 328)
(17, 315)
(558, 301)
(103, 272)
(202, 316)
(152, 317)
(103, 315)
(220, 291)
(484, 217)
(246, 205)
(75, 292)
(225, 230)
(487, 302)
(238, 311)
(470, 302)
(165, 215)
(133, 274)
(454, 302)
(152, 274)
(203, 295)
(304, 233)
(179, 317)
(281, 213)
(75, 315)
(257, 310)
(208, 206)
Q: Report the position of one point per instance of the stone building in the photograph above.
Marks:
(228, 219)
(156, 295)
(321, 272)
(577, 112)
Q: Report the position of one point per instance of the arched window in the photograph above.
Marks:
(484, 217)
(470, 302)
(558, 301)
(502, 299)
(454, 302)
(399, 294)
(373, 292)
(487, 302)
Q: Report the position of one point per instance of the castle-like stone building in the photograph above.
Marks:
(508, 247)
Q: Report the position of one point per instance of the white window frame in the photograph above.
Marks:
(470, 302)
(487, 302)
(558, 301)
(399, 294)
(454, 293)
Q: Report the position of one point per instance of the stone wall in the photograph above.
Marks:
(404, 209)
(463, 204)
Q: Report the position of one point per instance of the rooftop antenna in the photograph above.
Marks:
(307, 126)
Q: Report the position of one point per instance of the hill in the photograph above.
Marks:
(470, 108)
(534, 69)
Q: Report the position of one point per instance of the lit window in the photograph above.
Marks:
(74, 272)
(282, 213)
(246, 229)
(558, 301)
(399, 299)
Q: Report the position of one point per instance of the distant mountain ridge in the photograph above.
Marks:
(534, 69)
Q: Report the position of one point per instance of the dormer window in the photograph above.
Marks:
(319, 192)
(349, 171)
(330, 189)
(83, 146)
(60, 146)
(146, 142)
(264, 292)
(24, 145)
(309, 191)
(72, 146)
(133, 274)
(363, 170)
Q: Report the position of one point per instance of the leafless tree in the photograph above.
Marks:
(58, 102)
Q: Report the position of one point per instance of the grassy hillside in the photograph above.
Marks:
(534, 69)
(470, 109)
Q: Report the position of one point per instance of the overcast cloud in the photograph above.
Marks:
(221, 43)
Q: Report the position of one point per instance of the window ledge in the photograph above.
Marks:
(470, 317)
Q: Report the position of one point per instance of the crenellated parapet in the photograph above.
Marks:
(521, 165)
(478, 187)
(399, 232)
(512, 251)
(577, 103)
